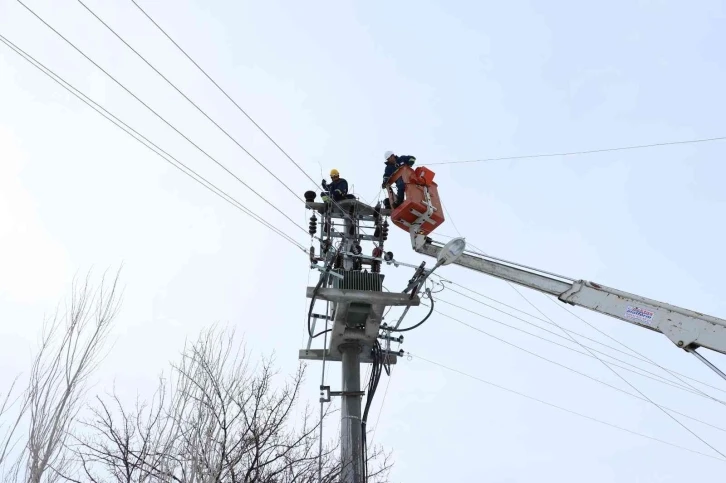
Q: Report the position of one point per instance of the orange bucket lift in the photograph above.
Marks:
(421, 211)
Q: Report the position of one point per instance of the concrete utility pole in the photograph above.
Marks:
(351, 439)
(358, 302)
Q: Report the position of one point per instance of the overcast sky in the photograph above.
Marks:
(337, 83)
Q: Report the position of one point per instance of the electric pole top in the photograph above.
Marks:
(350, 290)
(351, 282)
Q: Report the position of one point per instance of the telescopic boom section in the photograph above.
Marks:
(686, 328)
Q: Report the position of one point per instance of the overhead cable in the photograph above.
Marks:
(634, 355)
(672, 373)
(239, 108)
(146, 142)
(232, 138)
(632, 367)
(591, 151)
(575, 371)
(205, 153)
(561, 408)
(621, 377)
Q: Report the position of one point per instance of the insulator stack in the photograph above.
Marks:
(312, 254)
(313, 225)
(376, 264)
(384, 231)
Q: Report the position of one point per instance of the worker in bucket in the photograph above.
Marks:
(337, 189)
(394, 162)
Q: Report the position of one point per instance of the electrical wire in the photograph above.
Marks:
(672, 373)
(650, 375)
(592, 151)
(620, 376)
(380, 410)
(375, 378)
(575, 371)
(419, 324)
(637, 356)
(205, 153)
(146, 142)
(561, 408)
(239, 108)
(232, 138)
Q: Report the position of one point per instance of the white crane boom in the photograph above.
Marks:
(686, 328)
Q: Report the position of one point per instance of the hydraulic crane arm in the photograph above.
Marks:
(686, 328)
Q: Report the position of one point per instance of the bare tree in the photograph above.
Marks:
(219, 419)
(71, 347)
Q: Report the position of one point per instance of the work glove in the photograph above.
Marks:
(324, 184)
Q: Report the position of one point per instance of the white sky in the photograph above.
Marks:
(338, 83)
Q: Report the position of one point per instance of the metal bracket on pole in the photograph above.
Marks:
(326, 393)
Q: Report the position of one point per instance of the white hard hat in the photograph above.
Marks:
(388, 154)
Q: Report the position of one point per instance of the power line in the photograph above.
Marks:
(549, 332)
(620, 376)
(205, 153)
(672, 373)
(189, 100)
(575, 413)
(640, 371)
(530, 323)
(145, 141)
(638, 356)
(239, 108)
(592, 151)
(575, 371)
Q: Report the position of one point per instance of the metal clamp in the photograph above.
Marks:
(325, 393)
(398, 339)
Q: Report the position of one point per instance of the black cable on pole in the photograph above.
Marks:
(205, 153)
(145, 141)
(375, 378)
(419, 324)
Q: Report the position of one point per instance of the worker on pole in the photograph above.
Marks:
(337, 189)
(394, 162)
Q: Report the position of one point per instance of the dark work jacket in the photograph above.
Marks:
(392, 167)
(340, 185)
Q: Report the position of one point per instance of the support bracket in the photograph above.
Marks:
(326, 393)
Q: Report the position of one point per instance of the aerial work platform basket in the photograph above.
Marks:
(421, 211)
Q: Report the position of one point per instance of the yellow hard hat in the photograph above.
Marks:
(334, 172)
